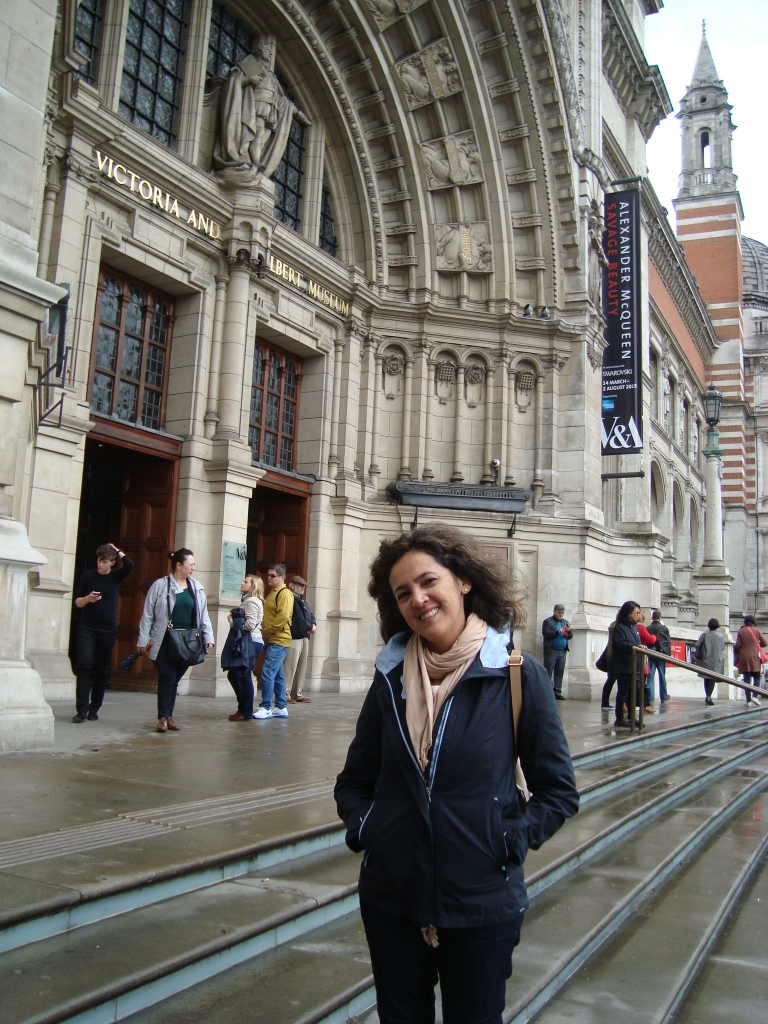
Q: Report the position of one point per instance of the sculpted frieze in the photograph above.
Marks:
(429, 75)
(452, 160)
(386, 11)
(464, 246)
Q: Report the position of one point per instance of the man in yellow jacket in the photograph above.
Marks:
(276, 630)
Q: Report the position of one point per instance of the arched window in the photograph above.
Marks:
(328, 240)
(706, 150)
(653, 373)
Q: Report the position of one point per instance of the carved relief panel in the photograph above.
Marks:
(474, 381)
(445, 381)
(524, 385)
(387, 11)
(393, 366)
(453, 160)
(429, 75)
(464, 246)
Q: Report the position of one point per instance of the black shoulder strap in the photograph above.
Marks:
(168, 600)
(193, 592)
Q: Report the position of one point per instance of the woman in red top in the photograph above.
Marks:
(649, 640)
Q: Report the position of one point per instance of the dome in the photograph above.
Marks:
(755, 268)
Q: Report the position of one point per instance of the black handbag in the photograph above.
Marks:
(185, 646)
(602, 661)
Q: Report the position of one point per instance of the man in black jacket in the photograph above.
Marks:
(303, 625)
(556, 632)
(664, 644)
(96, 599)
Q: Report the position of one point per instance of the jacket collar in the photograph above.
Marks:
(493, 653)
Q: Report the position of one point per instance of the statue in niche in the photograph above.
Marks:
(255, 119)
(666, 410)
(454, 160)
(429, 75)
(597, 258)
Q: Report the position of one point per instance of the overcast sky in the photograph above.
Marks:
(737, 31)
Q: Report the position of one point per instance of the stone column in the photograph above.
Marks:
(26, 721)
(405, 461)
(429, 473)
(373, 470)
(488, 475)
(333, 457)
(212, 406)
(713, 579)
(537, 484)
(457, 477)
(509, 479)
(52, 189)
(233, 348)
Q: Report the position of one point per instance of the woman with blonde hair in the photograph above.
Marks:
(428, 790)
(246, 620)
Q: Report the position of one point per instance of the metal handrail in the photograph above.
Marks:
(698, 669)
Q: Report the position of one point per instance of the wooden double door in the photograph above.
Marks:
(278, 530)
(129, 498)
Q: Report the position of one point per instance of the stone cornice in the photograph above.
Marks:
(637, 85)
(668, 257)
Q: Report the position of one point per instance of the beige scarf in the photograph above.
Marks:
(422, 667)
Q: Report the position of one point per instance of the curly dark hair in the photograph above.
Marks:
(495, 597)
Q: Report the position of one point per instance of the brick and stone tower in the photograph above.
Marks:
(709, 216)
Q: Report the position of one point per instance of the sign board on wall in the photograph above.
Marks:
(622, 396)
(232, 567)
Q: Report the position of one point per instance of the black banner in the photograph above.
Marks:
(622, 400)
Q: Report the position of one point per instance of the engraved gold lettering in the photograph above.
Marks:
(291, 275)
(192, 218)
(119, 169)
(175, 208)
(314, 290)
(102, 161)
(157, 197)
(214, 230)
(167, 202)
(142, 193)
(202, 223)
(279, 268)
(134, 179)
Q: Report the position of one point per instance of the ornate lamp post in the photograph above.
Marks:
(712, 400)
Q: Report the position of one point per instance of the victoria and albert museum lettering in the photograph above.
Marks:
(306, 284)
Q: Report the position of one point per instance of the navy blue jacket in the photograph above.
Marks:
(446, 848)
(625, 637)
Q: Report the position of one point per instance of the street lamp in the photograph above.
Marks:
(712, 400)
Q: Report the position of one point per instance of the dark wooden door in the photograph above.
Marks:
(146, 534)
(278, 531)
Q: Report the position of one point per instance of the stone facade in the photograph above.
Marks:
(438, 280)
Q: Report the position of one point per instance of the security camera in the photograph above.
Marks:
(495, 463)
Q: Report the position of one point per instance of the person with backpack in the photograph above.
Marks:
(664, 646)
(276, 631)
(303, 625)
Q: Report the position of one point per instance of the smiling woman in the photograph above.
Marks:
(441, 884)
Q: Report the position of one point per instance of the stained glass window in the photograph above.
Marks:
(328, 240)
(288, 178)
(87, 21)
(228, 43)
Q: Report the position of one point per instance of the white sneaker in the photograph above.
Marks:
(280, 712)
(263, 713)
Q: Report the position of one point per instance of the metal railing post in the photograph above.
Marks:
(632, 692)
(642, 685)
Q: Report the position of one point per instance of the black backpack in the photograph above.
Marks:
(301, 622)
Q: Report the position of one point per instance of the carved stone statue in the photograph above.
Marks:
(453, 160)
(597, 258)
(255, 119)
(429, 75)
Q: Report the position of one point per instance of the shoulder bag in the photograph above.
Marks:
(760, 652)
(515, 661)
(185, 646)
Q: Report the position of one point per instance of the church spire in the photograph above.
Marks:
(705, 72)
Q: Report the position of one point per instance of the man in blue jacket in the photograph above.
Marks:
(556, 632)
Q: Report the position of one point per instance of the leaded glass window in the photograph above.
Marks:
(132, 338)
(87, 22)
(154, 49)
(229, 42)
(275, 383)
(328, 240)
(288, 178)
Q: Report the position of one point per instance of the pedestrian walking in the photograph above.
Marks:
(247, 619)
(96, 599)
(276, 630)
(556, 633)
(429, 789)
(748, 654)
(610, 679)
(657, 665)
(625, 637)
(303, 626)
(173, 604)
(710, 653)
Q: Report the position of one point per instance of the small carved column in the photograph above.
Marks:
(457, 477)
(428, 473)
(211, 411)
(233, 347)
(488, 476)
(373, 469)
(509, 479)
(52, 190)
(333, 458)
(538, 484)
(405, 443)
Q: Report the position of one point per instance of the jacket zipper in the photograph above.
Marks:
(362, 823)
(436, 751)
(405, 741)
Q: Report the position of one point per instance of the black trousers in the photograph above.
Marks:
(94, 653)
(241, 681)
(623, 686)
(607, 687)
(472, 965)
(554, 663)
(168, 676)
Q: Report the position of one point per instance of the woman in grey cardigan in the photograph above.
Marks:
(188, 608)
(710, 653)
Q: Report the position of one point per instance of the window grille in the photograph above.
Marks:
(129, 361)
(273, 416)
(87, 21)
(229, 42)
(288, 178)
(526, 381)
(154, 48)
(328, 240)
